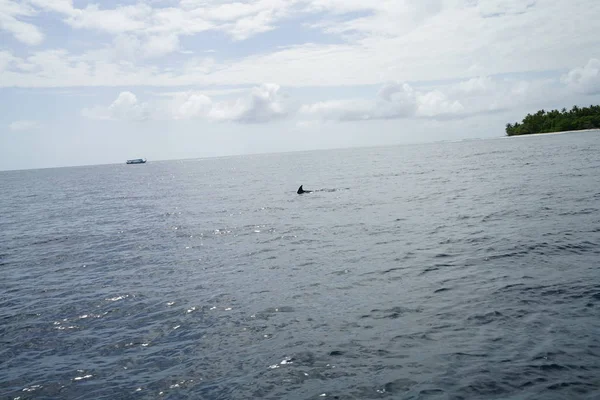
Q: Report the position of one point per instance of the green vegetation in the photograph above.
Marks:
(557, 121)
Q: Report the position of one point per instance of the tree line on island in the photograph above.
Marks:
(557, 121)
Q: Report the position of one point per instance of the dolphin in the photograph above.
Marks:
(300, 190)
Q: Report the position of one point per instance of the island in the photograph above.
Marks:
(557, 121)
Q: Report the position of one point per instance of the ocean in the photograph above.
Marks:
(458, 270)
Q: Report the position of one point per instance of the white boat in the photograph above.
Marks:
(137, 161)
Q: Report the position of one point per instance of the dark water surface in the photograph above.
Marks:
(439, 271)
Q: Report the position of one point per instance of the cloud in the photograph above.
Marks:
(239, 20)
(22, 125)
(363, 43)
(585, 79)
(460, 100)
(339, 110)
(134, 48)
(250, 26)
(125, 107)
(435, 103)
(477, 85)
(263, 104)
(160, 45)
(6, 58)
(189, 105)
(119, 20)
(27, 33)
(490, 9)
(60, 6)
(374, 42)
(59, 68)
(394, 101)
(485, 94)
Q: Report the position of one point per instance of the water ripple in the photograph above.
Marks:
(429, 278)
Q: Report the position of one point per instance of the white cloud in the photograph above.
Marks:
(340, 110)
(6, 58)
(153, 31)
(125, 107)
(478, 85)
(436, 103)
(10, 12)
(460, 100)
(263, 104)
(58, 68)
(22, 125)
(391, 43)
(54, 64)
(385, 41)
(246, 27)
(240, 20)
(394, 101)
(160, 45)
(24, 32)
(216, 92)
(397, 101)
(125, 47)
(189, 105)
(60, 6)
(585, 79)
(134, 49)
(505, 7)
(119, 20)
(236, 10)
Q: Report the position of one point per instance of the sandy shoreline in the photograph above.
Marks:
(555, 133)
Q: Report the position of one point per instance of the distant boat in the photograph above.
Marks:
(137, 161)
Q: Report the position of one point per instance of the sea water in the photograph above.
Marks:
(433, 271)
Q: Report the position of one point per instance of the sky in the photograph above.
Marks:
(97, 82)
